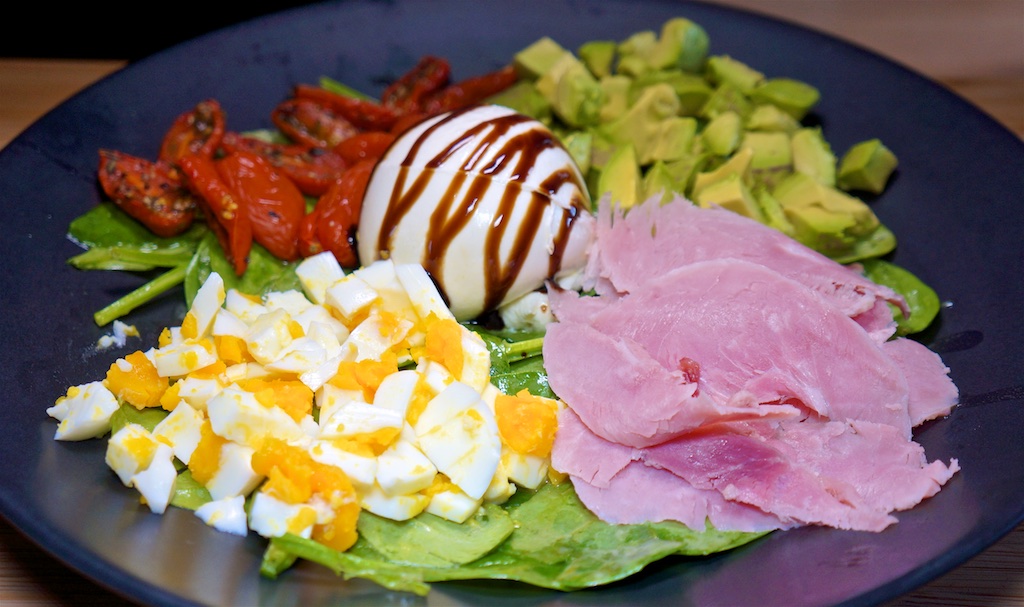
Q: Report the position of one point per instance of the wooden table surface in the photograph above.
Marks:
(974, 47)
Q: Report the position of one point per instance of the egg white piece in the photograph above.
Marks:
(156, 482)
(395, 507)
(130, 451)
(234, 475)
(245, 307)
(84, 412)
(350, 296)
(360, 469)
(238, 416)
(227, 515)
(356, 418)
(473, 185)
(403, 469)
(457, 431)
(207, 302)
(182, 428)
(454, 506)
(178, 359)
(318, 272)
(271, 517)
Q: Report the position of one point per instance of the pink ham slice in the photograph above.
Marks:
(611, 483)
(651, 239)
(932, 393)
(759, 338)
(705, 318)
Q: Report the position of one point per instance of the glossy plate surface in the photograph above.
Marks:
(955, 205)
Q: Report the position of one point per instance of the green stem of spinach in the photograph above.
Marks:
(525, 348)
(143, 294)
(131, 258)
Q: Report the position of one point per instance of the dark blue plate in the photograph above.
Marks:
(955, 205)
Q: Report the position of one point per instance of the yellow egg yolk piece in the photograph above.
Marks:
(135, 380)
(205, 460)
(293, 476)
(527, 423)
(365, 375)
(232, 350)
(444, 345)
(291, 395)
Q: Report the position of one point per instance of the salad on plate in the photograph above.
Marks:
(548, 324)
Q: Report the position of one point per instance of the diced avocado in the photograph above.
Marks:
(620, 178)
(737, 164)
(772, 157)
(692, 90)
(682, 45)
(772, 211)
(722, 135)
(866, 166)
(601, 149)
(598, 56)
(726, 98)
(813, 156)
(573, 92)
(794, 97)
(823, 217)
(672, 140)
(537, 59)
(642, 124)
(732, 194)
(659, 181)
(767, 117)
(684, 170)
(616, 96)
(524, 98)
(634, 53)
(580, 144)
(723, 68)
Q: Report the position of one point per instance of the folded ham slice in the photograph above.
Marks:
(633, 248)
(750, 380)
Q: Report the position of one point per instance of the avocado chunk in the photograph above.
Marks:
(824, 218)
(794, 97)
(524, 98)
(620, 178)
(659, 182)
(616, 96)
(773, 214)
(580, 145)
(737, 164)
(766, 117)
(644, 125)
(723, 68)
(722, 135)
(634, 53)
(598, 56)
(537, 59)
(692, 90)
(732, 194)
(813, 156)
(726, 98)
(573, 92)
(772, 157)
(866, 166)
(685, 169)
(682, 45)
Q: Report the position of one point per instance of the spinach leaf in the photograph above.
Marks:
(921, 299)
(265, 273)
(433, 541)
(556, 543)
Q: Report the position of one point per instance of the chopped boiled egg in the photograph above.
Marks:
(361, 391)
(84, 412)
(226, 514)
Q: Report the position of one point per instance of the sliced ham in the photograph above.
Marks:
(932, 393)
(633, 248)
(759, 338)
(740, 378)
